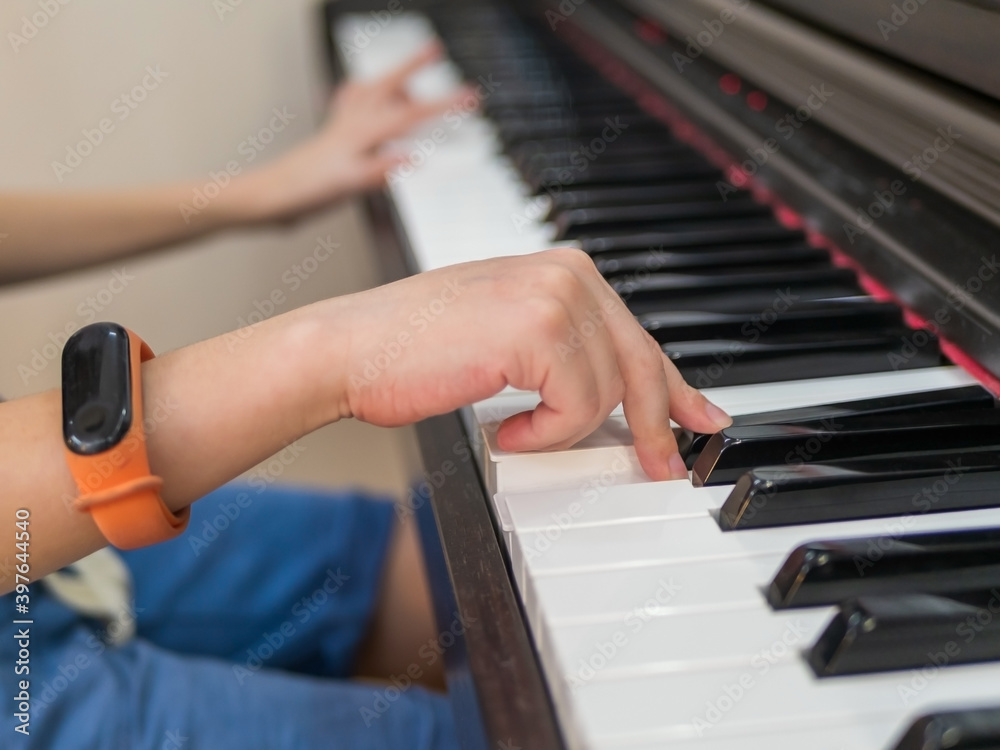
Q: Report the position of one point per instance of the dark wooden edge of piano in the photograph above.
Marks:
(495, 684)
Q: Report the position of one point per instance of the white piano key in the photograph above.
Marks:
(792, 394)
(392, 45)
(694, 704)
(623, 545)
(604, 596)
(592, 504)
(643, 643)
(864, 733)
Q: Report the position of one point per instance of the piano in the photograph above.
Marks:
(801, 204)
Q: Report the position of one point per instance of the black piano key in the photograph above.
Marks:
(722, 362)
(805, 318)
(535, 124)
(830, 571)
(736, 450)
(626, 195)
(695, 233)
(553, 179)
(972, 729)
(764, 253)
(923, 482)
(512, 135)
(922, 402)
(669, 286)
(572, 153)
(909, 631)
(729, 301)
(571, 223)
(588, 111)
(536, 155)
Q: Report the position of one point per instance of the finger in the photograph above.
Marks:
(654, 389)
(411, 114)
(689, 407)
(571, 395)
(398, 77)
(647, 409)
(646, 399)
(590, 345)
(558, 421)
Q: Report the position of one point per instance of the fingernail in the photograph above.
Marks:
(718, 417)
(677, 468)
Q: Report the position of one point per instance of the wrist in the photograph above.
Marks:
(318, 339)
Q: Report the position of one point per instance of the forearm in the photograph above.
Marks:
(389, 356)
(44, 233)
(215, 409)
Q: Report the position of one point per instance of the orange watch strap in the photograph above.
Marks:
(116, 486)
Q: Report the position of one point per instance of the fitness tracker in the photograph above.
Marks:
(105, 438)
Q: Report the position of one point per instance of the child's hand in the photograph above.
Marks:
(348, 154)
(545, 322)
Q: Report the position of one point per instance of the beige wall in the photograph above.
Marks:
(223, 77)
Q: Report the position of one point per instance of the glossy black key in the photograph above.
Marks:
(626, 195)
(830, 571)
(533, 125)
(589, 111)
(608, 128)
(756, 254)
(909, 631)
(570, 224)
(729, 301)
(565, 152)
(735, 450)
(775, 358)
(924, 482)
(802, 318)
(659, 285)
(553, 179)
(922, 402)
(689, 235)
(972, 729)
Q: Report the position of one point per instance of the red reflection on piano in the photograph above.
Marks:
(650, 31)
(757, 100)
(730, 84)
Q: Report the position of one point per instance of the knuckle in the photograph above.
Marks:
(548, 316)
(575, 258)
(557, 277)
(653, 357)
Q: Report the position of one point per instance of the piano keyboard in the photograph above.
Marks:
(651, 622)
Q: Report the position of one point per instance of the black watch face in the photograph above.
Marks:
(96, 388)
